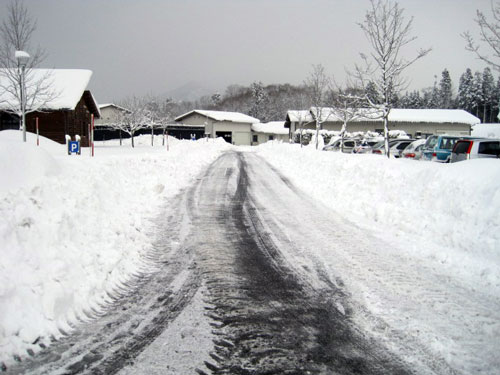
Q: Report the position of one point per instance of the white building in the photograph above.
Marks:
(274, 130)
(415, 122)
(234, 127)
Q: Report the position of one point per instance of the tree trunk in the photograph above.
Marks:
(317, 133)
(132, 139)
(342, 136)
(386, 135)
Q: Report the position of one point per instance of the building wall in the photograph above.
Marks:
(265, 137)
(109, 115)
(412, 128)
(55, 125)
(240, 132)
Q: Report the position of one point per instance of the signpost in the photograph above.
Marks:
(73, 147)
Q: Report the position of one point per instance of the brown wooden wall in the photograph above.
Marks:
(55, 125)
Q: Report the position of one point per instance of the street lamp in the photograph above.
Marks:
(22, 59)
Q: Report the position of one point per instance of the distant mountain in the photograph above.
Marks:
(189, 92)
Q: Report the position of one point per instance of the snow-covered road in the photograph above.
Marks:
(249, 274)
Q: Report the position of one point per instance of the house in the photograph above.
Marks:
(234, 127)
(68, 111)
(415, 122)
(274, 130)
(110, 114)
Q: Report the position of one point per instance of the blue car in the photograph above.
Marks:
(438, 148)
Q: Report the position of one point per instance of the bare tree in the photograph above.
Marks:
(161, 113)
(136, 117)
(388, 33)
(348, 105)
(35, 91)
(318, 84)
(489, 31)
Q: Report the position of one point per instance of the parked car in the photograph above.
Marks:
(475, 148)
(396, 147)
(349, 144)
(365, 147)
(438, 148)
(414, 150)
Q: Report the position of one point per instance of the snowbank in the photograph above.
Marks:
(74, 227)
(451, 209)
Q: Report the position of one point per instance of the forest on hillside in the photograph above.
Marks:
(476, 92)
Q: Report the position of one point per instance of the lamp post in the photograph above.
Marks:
(22, 59)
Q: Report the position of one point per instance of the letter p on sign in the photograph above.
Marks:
(73, 147)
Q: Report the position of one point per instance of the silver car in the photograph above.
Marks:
(349, 144)
(474, 148)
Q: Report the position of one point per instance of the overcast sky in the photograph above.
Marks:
(154, 46)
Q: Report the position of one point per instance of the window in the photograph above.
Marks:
(489, 148)
(255, 138)
(271, 137)
(462, 147)
(448, 143)
(402, 145)
(431, 142)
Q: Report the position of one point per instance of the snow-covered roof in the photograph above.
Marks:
(106, 105)
(486, 130)
(273, 127)
(433, 115)
(301, 115)
(221, 116)
(67, 85)
(452, 116)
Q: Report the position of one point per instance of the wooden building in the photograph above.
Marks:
(67, 112)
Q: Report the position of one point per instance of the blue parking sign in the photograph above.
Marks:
(73, 147)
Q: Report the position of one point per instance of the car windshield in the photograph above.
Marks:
(448, 143)
(431, 142)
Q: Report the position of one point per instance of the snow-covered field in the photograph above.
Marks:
(74, 227)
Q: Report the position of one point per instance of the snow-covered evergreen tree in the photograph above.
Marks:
(488, 86)
(411, 100)
(259, 101)
(477, 93)
(465, 91)
(372, 93)
(445, 90)
(431, 96)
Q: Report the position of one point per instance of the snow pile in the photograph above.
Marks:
(273, 127)
(486, 130)
(73, 227)
(450, 209)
